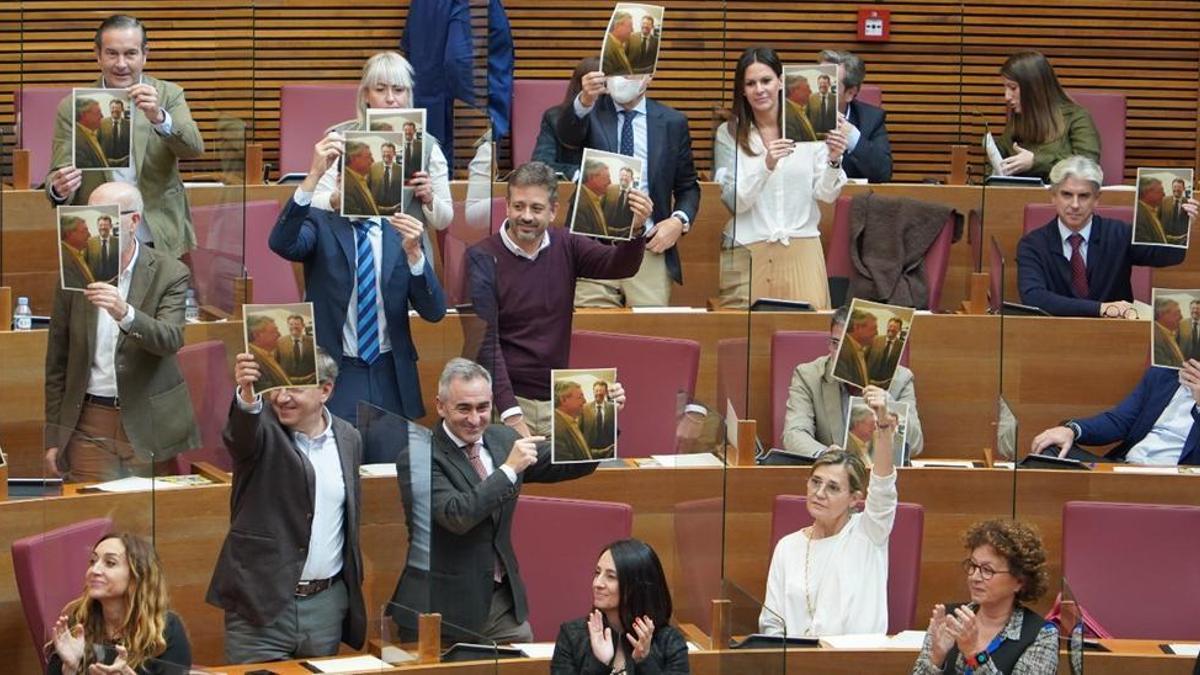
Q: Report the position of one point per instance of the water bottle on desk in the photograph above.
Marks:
(191, 309)
(22, 315)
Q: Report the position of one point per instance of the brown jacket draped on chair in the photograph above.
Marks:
(889, 237)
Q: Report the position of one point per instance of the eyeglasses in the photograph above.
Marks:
(816, 483)
(986, 573)
(1114, 311)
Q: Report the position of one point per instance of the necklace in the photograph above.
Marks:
(809, 593)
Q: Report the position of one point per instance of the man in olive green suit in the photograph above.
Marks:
(88, 153)
(589, 212)
(570, 444)
(1150, 228)
(615, 60)
(116, 401)
(1167, 317)
(356, 194)
(163, 134)
(852, 359)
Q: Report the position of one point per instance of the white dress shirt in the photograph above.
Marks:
(776, 205)
(327, 534)
(1085, 232)
(1164, 443)
(437, 214)
(103, 378)
(350, 327)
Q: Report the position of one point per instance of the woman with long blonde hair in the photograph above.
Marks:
(121, 624)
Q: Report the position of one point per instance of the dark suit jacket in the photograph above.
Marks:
(103, 268)
(673, 184)
(286, 357)
(550, 149)
(823, 118)
(324, 242)
(471, 528)
(872, 157)
(114, 139)
(156, 409)
(1044, 274)
(270, 521)
(1133, 418)
(573, 652)
(881, 366)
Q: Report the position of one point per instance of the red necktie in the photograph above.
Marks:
(1079, 282)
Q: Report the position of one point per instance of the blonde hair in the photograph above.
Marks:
(383, 68)
(146, 603)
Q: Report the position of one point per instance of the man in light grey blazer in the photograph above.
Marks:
(817, 403)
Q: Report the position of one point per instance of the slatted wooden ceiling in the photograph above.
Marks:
(939, 68)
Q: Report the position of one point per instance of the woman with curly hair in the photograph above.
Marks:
(995, 633)
(124, 604)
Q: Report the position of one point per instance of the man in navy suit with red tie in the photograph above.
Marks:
(1079, 263)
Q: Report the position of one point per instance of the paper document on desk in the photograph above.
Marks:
(536, 650)
(943, 463)
(689, 460)
(1182, 649)
(136, 484)
(993, 154)
(349, 664)
(909, 639)
(377, 470)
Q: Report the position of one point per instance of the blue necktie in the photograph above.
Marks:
(627, 132)
(368, 316)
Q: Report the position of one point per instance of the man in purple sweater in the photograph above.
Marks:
(522, 284)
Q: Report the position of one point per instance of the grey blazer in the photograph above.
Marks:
(270, 521)
(815, 419)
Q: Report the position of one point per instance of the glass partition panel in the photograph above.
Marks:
(757, 634)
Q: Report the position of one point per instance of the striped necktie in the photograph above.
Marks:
(368, 315)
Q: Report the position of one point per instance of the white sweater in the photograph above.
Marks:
(847, 572)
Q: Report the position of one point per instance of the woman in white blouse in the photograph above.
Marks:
(387, 82)
(772, 185)
(830, 578)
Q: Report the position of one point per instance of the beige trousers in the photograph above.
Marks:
(650, 287)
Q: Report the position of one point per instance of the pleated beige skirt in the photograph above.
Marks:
(772, 270)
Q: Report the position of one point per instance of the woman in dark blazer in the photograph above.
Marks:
(628, 630)
(549, 149)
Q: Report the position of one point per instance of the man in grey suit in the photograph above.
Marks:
(289, 575)
(116, 402)
(884, 354)
(598, 417)
(816, 405)
(463, 566)
(163, 133)
(1174, 218)
(642, 48)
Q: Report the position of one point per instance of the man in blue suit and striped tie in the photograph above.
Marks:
(361, 276)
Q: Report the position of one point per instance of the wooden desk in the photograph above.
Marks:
(1127, 656)
(956, 360)
(189, 526)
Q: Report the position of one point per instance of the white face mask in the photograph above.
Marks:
(625, 89)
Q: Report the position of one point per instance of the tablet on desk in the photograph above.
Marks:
(761, 641)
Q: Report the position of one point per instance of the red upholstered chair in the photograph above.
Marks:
(1037, 215)
(937, 258)
(305, 112)
(49, 568)
(654, 371)
(557, 542)
(274, 278)
(218, 260)
(698, 556)
(904, 553)
(1133, 567)
(790, 348)
(531, 99)
(454, 242)
(1108, 112)
(36, 109)
(871, 94)
(210, 385)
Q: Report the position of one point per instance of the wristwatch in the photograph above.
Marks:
(1074, 427)
(978, 660)
(835, 164)
(683, 218)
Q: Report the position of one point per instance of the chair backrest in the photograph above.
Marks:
(305, 112)
(49, 568)
(531, 99)
(872, 94)
(658, 369)
(1037, 215)
(1107, 109)
(1133, 567)
(557, 542)
(790, 348)
(904, 553)
(209, 381)
(274, 278)
(937, 258)
(454, 242)
(36, 109)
